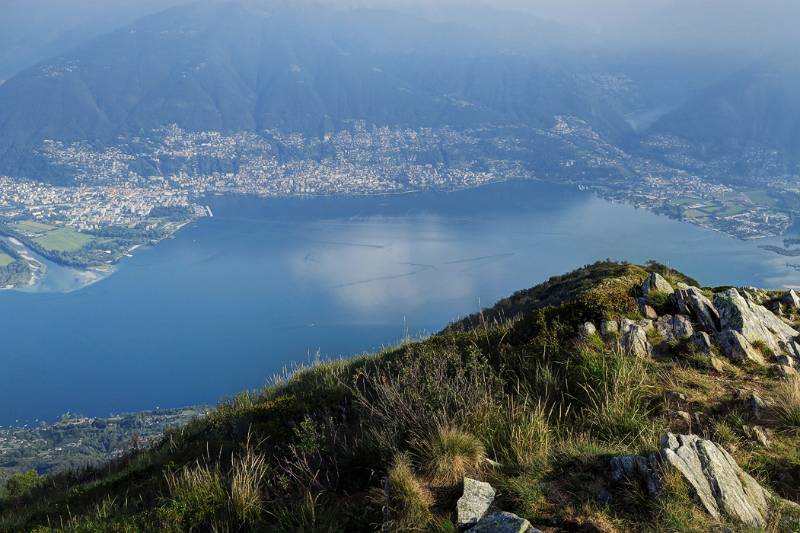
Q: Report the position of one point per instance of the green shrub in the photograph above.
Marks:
(21, 484)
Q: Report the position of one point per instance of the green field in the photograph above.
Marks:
(31, 227)
(63, 240)
(760, 197)
(5, 259)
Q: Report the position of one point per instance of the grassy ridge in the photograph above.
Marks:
(384, 440)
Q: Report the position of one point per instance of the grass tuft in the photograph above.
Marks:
(787, 402)
(450, 454)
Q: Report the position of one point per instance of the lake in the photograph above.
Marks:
(266, 284)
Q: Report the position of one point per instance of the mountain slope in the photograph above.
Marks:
(753, 110)
(266, 64)
(537, 405)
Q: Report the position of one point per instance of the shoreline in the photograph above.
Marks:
(96, 273)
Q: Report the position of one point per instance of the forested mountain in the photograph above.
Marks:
(259, 65)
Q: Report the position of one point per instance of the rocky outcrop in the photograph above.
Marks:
(737, 348)
(692, 302)
(720, 485)
(656, 282)
(474, 502)
(790, 299)
(754, 322)
(674, 327)
(634, 341)
(503, 522)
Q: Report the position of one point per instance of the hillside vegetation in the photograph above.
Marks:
(540, 397)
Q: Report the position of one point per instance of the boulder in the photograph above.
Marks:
(753, 321)
(634, 342)
(692, 302)
(722, 488)
(791, 299)
(643, 470)
(674, 327)
(656, 282)
(702, 341)
(587, 329)
(474, 502)
(737, 348)
(503, 522)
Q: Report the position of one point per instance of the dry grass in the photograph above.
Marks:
(409, 501)
(450, 454)
(787, 402)
(247, 477)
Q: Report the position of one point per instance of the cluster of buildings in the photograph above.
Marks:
(122, 185)
(84, 207)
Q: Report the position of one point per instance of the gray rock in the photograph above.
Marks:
(753, 321)
(609, 328)
(587, 329)
(503, 522)
(634, 342)
(674, 327)
(626, 324)
(474, 502)
(790, 348)
(692, 302)
(723, 489)
(637, 468)
(784, 360)
(682, 326)
(791, 299)
(760, 436)
(757, 405)
(656, 282)
(737, 348)
(702, 341)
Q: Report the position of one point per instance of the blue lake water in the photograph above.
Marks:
(267, 283)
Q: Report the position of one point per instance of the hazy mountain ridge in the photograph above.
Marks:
(234, 68)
